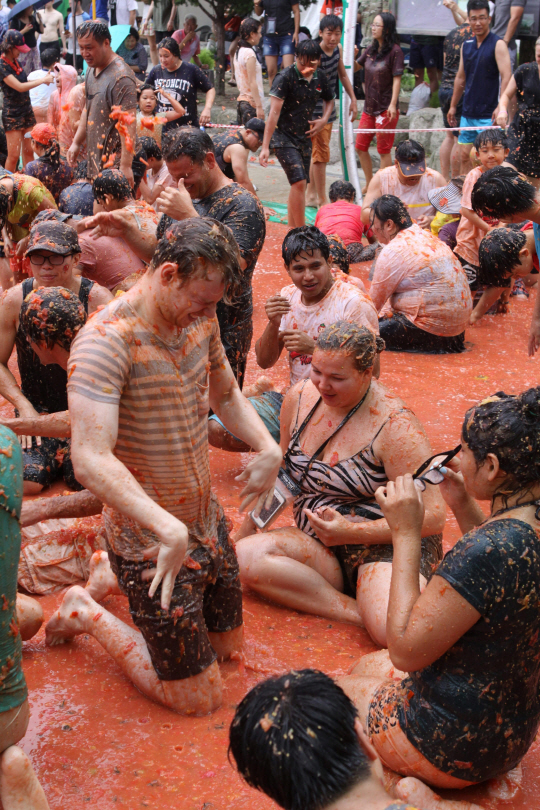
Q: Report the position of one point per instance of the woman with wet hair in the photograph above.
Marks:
(248, 71)
(343, 436)
(469, 709)
(49, 167)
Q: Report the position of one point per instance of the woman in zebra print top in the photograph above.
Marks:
(343, 435)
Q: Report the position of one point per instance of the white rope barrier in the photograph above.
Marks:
(374, 131)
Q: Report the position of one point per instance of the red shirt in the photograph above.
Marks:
(343, 219)
(332, 7)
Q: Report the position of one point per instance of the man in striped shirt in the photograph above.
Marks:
(143, 375)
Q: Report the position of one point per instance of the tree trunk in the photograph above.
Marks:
(221, 60)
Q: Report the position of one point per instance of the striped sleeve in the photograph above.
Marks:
(99, 363)
(216, 354)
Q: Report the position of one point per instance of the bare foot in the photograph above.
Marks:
(260, 385)
(377, 665)
(102, 581)
(413, 791)
(72, 618)
(507, 786)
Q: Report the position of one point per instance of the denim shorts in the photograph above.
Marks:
(275, 45)
(470, 136)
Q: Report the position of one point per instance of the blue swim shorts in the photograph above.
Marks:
(469, 136)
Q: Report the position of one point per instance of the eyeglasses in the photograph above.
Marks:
(430, 471)
(55, 259)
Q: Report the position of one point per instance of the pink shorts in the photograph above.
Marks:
(385, 140)
(393, 746)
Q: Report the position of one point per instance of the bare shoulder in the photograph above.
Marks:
(99, 297)
(11, 303)
(399, 418)
(303, 393)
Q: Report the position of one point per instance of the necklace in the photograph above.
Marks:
(15, 65)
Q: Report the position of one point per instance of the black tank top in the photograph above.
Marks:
(221, 142)
(45, 387)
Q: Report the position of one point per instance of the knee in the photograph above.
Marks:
(15, 768)
(216, 433)
(31, 488)
(250, 557)
(29, 616)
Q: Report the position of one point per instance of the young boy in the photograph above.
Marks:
(157, 176)
(40, 96)
(331, 28)
(491, 150)
(505, 254)
(290, 127)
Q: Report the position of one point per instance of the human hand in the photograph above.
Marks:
(260, 478)
(451, 116)
(205, 117)
(10, 246)
(534, 336)
(474, 317)
(20, 248)
(71, 155)
(295, 340)
(176, 202)
(27, 411)
(353, 110)
(276, 307)
(169, 555)
(295, 37)
(402, 505)
(259, 112)
(170, 25)
(502, 118)
(264, 155)
(392, 112)
(453, 487)
(331, 528)
(315, 127)
(451, 4)
(28, 27)
(107, 223)
(424, 221)
(48, 79)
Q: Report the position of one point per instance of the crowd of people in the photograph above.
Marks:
(130, 241)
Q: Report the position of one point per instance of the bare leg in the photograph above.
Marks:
(153, 49)
(293, 569)
(287, 60)
(247, 528)
(79, 613)
(41, 115)
(226, 643)
(372, 596)
(296, 205)
(29, 616)
(219, 437)
(319, 175)
(101, 582)
(367, 168)
(465, 154)
(13, 725)
(386, 160)
(271, 67)
(455, 159)
(260, 385)
(414, 791)
(311, 195)
(14, 139)
(433, 77)
(19, 786)
(445, 154)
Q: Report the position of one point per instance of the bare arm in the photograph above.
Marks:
(78, 140)
(123, 224)
(270, 345)
(459, 16)
(373, 192)
(239, 157)
(206, 115)
(459, 89)
(296, 15)
(75, 505)
(487, 299)
(504, 101)
(177, 110)
(54, 425)
(251, 65)
(24, 87)
(127, 141)
(516, 13)
(275, 109)
(502, 57)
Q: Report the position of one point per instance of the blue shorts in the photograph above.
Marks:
(470, 136)
(274, 45)
(268, 406)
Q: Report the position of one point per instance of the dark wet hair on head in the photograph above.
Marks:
(52, 154)
(138, 166)
(338, 253)
(151, 147)
(331, 21)
(390, 207)
(113, 182)
(5, 204)
(410, 151)
(81, 170)
(170, 45)
(188, 142)
(509, 427)
(248, 27)
(342, 190)
(306, 239)
(308, 49)
(503, 193)
(477, 5)
(493, 137)
(294, 738)
(144, 87)
(358, 341)
(52, 315)
(390, 37)
(92, 28)
(201, 241)
(498, 254)
(49, 57)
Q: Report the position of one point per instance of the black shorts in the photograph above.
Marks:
(207, 598)
(13, 119)
(445, 99)
(400, 335)
(244, 113)
(426, 56)
(50, 461)
(472, 272)
(295, 161)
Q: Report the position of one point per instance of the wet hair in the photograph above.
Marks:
(197, 239)
(503, 193)
(410, 151)
(49, 57)
(331, 21)
(144, 87)
(81, 170)
(306, 239)
(133, 33)
(6, 203)
(170, 45)
(498, 254)
(338, 253)
(477, 5)
(308, 49)
(188, 142)
(92, 28)
(342, 190)
(509, 427)
(248, 27)
(113, 182)
(138, 167)
(305, 30)
(353, 339)
(390, 37)
(151, 147)
(52, 315)
(294, 738)
(390, 207)
(493, 137)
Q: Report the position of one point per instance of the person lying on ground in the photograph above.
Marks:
(408, 179)
(139, 442)
(49, 167)
(308, 754)
(421, 282)
(505, 254)
(343, 435)
(468, 711)
(232, 151)
(343, 217)
(157, 177)
(295, 318)
(19, 786)
(503, 193)
(53, 251)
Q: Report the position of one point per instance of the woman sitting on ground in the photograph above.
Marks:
(469, 709)
(419, 287)
(343, 435)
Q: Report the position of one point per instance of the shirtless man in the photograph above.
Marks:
(233, 148)
(142, 377)
(52, 252)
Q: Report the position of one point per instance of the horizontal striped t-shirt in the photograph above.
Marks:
(161, 389)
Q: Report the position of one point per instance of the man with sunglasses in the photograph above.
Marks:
(51, 257)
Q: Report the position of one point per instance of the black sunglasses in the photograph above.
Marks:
(430, 471)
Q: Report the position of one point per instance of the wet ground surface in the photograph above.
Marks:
(96, 742)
